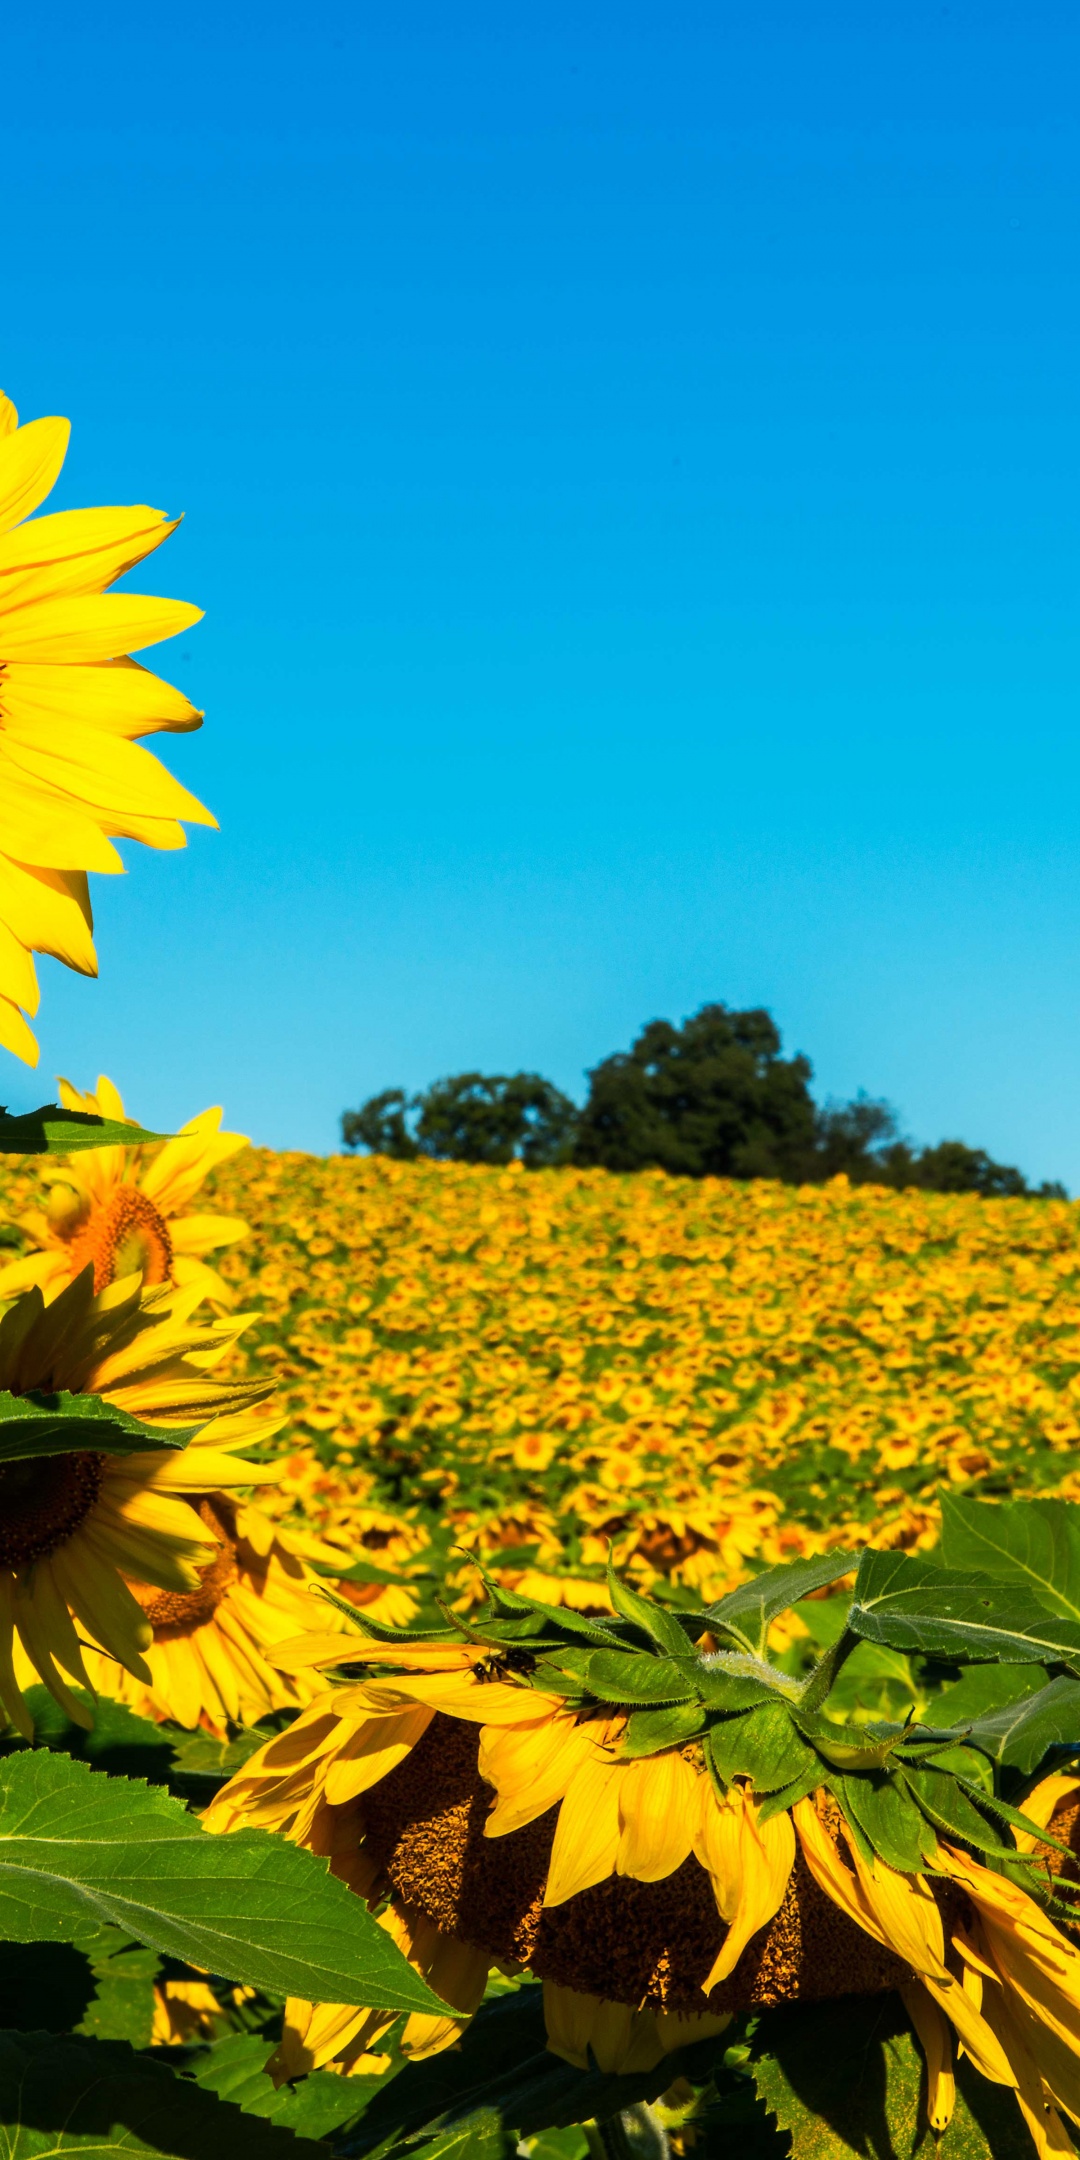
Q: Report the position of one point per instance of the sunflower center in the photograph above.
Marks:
(42, 1503)
(126, 1237)
(174, 1613)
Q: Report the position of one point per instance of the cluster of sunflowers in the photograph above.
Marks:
(657, 1819)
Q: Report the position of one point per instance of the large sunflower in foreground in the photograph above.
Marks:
(513, 1816)
(72, 702)
(77, 1530)
(125, 1209)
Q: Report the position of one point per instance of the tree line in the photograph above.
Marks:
(713, 1098)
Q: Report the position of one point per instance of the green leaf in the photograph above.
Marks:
(745, 1614)
(847, 2077)
(117, 1741)
(77, 1847)
(1033, 1542)
(634, 1676)
(503, 2065)
(65, 1424)
(65, 2094)
(648, 1731)
(888, 1817)
(1019, 1734)
(122, 2005)
(235, 2069)
(764, 1746)
(659, 1626)
(52, 1131)
(911, 1605)
(482, 2136)
(986, 1687)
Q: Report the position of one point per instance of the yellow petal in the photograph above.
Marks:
(658, 1816)
(371, 1753)
(587, 1832)
(15, 1035)
(30, 459)
(121, 697)
(76, 551)
(49, 912)
(530, 1767)
(96, 627)
(932, 2027)
(620, 2040)
(98, 769)
(749, 1864)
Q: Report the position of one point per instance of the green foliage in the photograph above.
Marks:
(843, 2078)
(78, 1847)
(1034, 1542)
(746, 1613)
(712, 1098)
(71, 2094)
(470, 1117)
(942, 1612)
(235, 2069)
(52, 1131)
(65, 1424)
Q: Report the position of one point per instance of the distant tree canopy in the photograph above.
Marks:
(712, 1098)
(472, 1117)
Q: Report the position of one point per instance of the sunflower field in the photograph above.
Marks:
(498, 1663)
(706, 1377)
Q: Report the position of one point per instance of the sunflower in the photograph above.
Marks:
(71, 704)
(76, 1530)
(210, 1656)
(512, 1821)
(125, 1209)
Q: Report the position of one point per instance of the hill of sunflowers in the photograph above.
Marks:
(710, 1376)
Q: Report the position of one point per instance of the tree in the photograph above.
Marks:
(712, 1098)
(470, 1117)
(379, 1125)
(862, 1139)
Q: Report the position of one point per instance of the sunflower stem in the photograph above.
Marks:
(822, 1678)
(614, 2138)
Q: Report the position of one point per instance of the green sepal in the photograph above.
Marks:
(849, 1747)
(888, 1816)
(764, 1746)
(778, 1803)
(64, 1424)
(951, 1810)
(629, 1676)
(559, 1616)
(649, 1731)
(1015, 1817)
(52, 1131)
(661, 1627)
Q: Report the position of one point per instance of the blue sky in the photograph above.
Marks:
(629, 456)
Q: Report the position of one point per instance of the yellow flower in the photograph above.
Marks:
(125, 1209)
(211, 1657)
(77, 1529)
(506, 1826)
(71, 705)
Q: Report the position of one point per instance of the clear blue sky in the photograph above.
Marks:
(630, 464)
